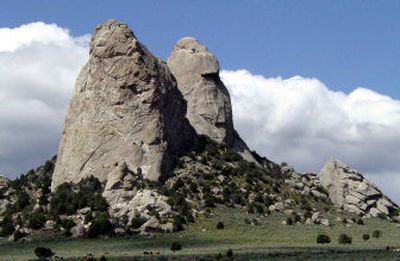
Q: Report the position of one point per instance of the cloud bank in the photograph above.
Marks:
(296, 120)
(38, 65)
(300, 121)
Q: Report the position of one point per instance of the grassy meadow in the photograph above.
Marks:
(268, 240)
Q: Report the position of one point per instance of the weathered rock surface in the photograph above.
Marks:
(3, 182)
(126, 110)
(350, 191)
(209, 107)
(127, 204)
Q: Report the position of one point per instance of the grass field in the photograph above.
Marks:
(269, 240)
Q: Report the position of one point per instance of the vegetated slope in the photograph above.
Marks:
(207, 178)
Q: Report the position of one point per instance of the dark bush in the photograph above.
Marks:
(229, 253)
(220, 225)
(7, 227)
(137, 222)
(43, 252)
(345, 239)
(365, 237)
(23, 200)
(178, 184)
(176, 246)
(100, 226)
(209, 201)
(259, 208)
(178, 222)
(68, 198)
(37, 219)
(360, 222)
(289, 221)
(323, 239)
(376, 233)
(67, 223)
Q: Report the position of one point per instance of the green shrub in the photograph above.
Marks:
(296, 218)
(259, 208)
(23, 200)
(345, 239)
(220, 225)
(178, 184)
(100, 226)
(67, 223)
(176, 246)
(209, 201)
(7, 227)
(323, 239)
(376, 233)
(360, 222)
(137, 221)
(229, 253)
(178, 222)
(43, 252)
(289, 221)
(37, 219)
(68, 198)
(365, 237)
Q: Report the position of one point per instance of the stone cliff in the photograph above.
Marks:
(209, 107)
(126, 110)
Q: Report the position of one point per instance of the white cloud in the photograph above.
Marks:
(38, 66)
(297, 120)
(300, 121)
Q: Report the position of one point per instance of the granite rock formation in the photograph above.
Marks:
(209, 108)
(3, 182)
(126, 110)
(349, 190)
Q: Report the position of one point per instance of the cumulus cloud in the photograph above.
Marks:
(300, 121)
(296, 120)
(38, 65)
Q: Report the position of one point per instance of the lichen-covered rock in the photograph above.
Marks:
(209, 104)
(126, 110)
(350, 191)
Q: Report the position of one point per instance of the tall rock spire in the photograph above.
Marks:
(209, 104)
(126, 110)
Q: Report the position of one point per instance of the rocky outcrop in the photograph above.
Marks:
(209, 104)
(304, 184)
(350, 191)
(3, 182)
(126, 111)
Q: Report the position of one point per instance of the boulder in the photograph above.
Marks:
(78, 231)
(153, 225)
(126, 208)
(126, 110)
(350, 191)
(209, 108)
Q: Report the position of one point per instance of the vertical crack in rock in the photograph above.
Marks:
(126, 92)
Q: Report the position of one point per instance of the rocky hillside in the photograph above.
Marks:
(149, 146)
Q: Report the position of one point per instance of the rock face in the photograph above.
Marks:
(3, 182)
(126, 110)
(209, 105)
(350, 191)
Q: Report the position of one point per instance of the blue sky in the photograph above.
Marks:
(345, 44)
